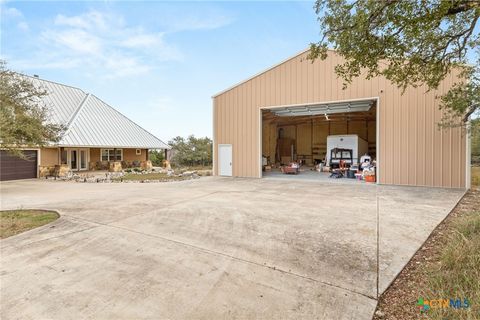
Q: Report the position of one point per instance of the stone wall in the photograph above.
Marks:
(53, 171)
(46, 171)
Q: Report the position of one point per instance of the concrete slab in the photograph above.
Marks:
(212, 248)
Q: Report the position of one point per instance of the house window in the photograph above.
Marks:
(138, 152)
(112, 154)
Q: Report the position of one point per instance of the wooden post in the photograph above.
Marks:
(60, 150)
(166, 153)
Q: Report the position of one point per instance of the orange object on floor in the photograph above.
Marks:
(369, 178)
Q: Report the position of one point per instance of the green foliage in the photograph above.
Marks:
(411, 43)
(475, 138)
(191, 151)
(23, 115)
(156, 157)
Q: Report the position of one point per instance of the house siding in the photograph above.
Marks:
(130, 155)
(94, 154)
(48, 157)
(411, 150)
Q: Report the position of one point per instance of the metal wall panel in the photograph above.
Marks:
(412, 149)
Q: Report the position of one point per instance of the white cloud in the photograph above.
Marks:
(16, 15)
(92, 20)
(74, 41)
(142, 40)
(23, 26)
(12, 13)
(103, 42)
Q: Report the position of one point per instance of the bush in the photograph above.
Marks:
(156, 157)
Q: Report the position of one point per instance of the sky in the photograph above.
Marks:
(158, 63)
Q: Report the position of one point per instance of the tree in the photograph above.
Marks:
(191, 151)
(476, 142)
(156, 157)
(410, 42)
(23, 114)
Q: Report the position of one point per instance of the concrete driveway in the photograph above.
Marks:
(212, 248)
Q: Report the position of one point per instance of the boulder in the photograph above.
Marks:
(61, 170)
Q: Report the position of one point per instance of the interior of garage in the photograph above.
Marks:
(323, 141)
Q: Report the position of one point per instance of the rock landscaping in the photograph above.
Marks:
(133, 175)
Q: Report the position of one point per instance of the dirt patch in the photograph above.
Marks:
(441, 269)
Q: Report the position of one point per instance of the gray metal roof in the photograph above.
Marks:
(90, 122)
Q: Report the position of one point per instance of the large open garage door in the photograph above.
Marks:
(321, 141)
(14, 168)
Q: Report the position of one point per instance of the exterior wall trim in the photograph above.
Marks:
(214, 132)
(468, 158)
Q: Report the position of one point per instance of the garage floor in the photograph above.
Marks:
(307, 174)
(212, 248)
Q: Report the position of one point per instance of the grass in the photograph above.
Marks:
(457, 274)
(446, 267)
(151, 176)
(476, 176)
(199, 167)
(13, 222)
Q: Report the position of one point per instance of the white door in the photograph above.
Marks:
(225, 159)
(83, 159)
(77, 159)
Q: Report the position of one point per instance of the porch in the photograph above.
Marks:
(58, 161)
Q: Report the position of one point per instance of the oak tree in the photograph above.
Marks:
(409, 42)
(24, 116)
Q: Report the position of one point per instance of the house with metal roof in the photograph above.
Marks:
(96, 137)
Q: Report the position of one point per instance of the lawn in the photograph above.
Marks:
(446, 267)
(458, 272)
(151, 176)
(13, 222)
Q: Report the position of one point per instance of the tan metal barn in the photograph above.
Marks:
(305, 102)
